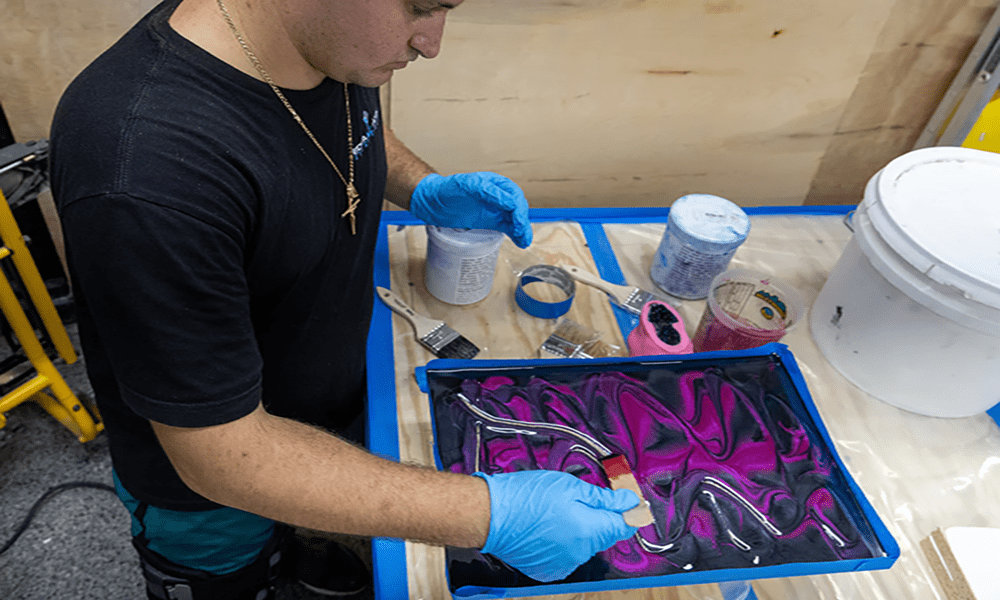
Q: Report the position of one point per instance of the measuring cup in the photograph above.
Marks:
(747, 309)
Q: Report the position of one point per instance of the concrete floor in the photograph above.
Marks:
(78, 545)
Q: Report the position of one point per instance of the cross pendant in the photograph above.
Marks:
(353, 200)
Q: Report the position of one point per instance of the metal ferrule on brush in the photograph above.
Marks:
(439, 337)
(637, 300)
(562, 347)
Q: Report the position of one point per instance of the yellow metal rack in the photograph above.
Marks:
(65, 407)
(968, 113)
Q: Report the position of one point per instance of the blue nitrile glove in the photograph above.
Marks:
(548, 523)
(473, 201)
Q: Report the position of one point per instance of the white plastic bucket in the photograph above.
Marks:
(911, 312)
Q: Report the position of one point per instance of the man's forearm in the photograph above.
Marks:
(406, 169)
(301, 475)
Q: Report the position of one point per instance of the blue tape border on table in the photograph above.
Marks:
(389, 554)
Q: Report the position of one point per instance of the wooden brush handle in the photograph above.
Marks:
(422, 325)
(620, 293)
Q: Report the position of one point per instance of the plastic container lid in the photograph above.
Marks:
(930, 223)
(940, 209)
(463, 240)
(708, 223)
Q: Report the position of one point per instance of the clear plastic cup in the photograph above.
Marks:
(747, 309)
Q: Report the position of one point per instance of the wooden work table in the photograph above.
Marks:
(919, 473)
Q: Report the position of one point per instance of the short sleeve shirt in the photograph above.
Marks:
(211, 263)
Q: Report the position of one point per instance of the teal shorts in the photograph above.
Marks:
(218, 541)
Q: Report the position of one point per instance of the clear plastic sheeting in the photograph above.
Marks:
(920, 473)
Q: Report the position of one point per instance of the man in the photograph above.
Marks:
(219, 174)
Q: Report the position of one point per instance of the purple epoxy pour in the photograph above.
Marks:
(729, 470)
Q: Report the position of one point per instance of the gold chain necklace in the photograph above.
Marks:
(353, 199)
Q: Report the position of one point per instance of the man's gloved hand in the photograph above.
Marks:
(473, 201)
(548, 523)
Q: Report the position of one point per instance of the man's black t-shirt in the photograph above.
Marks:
(210, 261)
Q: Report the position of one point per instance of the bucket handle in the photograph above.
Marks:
(847, 220)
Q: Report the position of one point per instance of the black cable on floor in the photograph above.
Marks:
(52, 492)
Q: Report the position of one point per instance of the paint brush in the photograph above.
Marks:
(573, 340)
(630, 298)
(620, 475)
(435, 335)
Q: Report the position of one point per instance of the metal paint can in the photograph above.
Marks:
(702, 235)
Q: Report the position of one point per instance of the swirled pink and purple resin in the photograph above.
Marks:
(733, 477)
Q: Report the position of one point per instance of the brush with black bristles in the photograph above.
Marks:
(436, 336)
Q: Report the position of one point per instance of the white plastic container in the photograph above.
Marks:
(911, 312)
(461, 263)
(702, 235)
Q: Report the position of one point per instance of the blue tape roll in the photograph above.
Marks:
(547, 274)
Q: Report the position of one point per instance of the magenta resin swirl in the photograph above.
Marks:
(733, 477)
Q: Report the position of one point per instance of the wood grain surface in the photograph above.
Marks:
(909, 71)
(616, 102)
(628, 103)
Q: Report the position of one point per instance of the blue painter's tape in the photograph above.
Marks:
(608, 269)
(389, 570)
(995, 413)
(420, 374)
(382, 431)
(632, 215)
(538, 308)
(660, 214)
(546, 274)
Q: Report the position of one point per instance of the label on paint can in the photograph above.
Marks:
(702, 235)
(461, 263)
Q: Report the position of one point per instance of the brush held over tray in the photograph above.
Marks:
(630, 298)
(435, 335)
(620, 476)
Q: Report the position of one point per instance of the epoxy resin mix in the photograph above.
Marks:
(734, 476)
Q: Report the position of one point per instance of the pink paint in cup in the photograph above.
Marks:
(660, 331)
(747, 309)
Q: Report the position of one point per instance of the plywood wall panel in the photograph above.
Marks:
(44, 44)
(637, 103)
(923, 44)
(615, 102)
